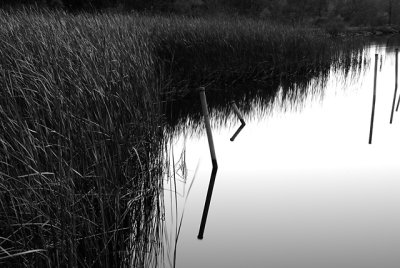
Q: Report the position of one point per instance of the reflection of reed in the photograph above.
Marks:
(176, 176)
(392, 42)
(207, 203)
(288, 90)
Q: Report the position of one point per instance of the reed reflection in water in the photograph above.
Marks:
(301, 187)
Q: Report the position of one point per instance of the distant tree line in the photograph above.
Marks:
(90, 5)
(352, 12)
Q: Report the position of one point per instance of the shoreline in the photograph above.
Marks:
(371, 30)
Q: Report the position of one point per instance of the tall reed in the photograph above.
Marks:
(79, 142)
(82, 121)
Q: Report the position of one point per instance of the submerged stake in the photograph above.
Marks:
(373, 100)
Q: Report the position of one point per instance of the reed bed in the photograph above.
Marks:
(79, 142)
(82, 115)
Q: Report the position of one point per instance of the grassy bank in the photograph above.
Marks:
(82, 116)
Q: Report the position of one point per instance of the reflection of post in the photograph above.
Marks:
(398, 102)
(238, 114)
(207, 203)
(208, 126)
(373, 100)
(237, 132)
(395, 84)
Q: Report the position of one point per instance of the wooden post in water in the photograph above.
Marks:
(238, 114)
(373, 100)
(208, 126)
(395, 84)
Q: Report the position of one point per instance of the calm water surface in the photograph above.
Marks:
(300, 186)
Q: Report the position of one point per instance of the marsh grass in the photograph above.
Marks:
(79, 141)
(82, 115)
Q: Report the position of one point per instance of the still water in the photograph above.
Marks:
(300, 186)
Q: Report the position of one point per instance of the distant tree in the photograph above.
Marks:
(298, 10)
(192, 7)
(358, 12)
(392, 11)
(140, 5)
(321, 7)
(353, 12)
(55, 3)
(272, 9)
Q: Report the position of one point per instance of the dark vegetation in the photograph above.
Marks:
(318, 12)
(84, 102)
(79, 142)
